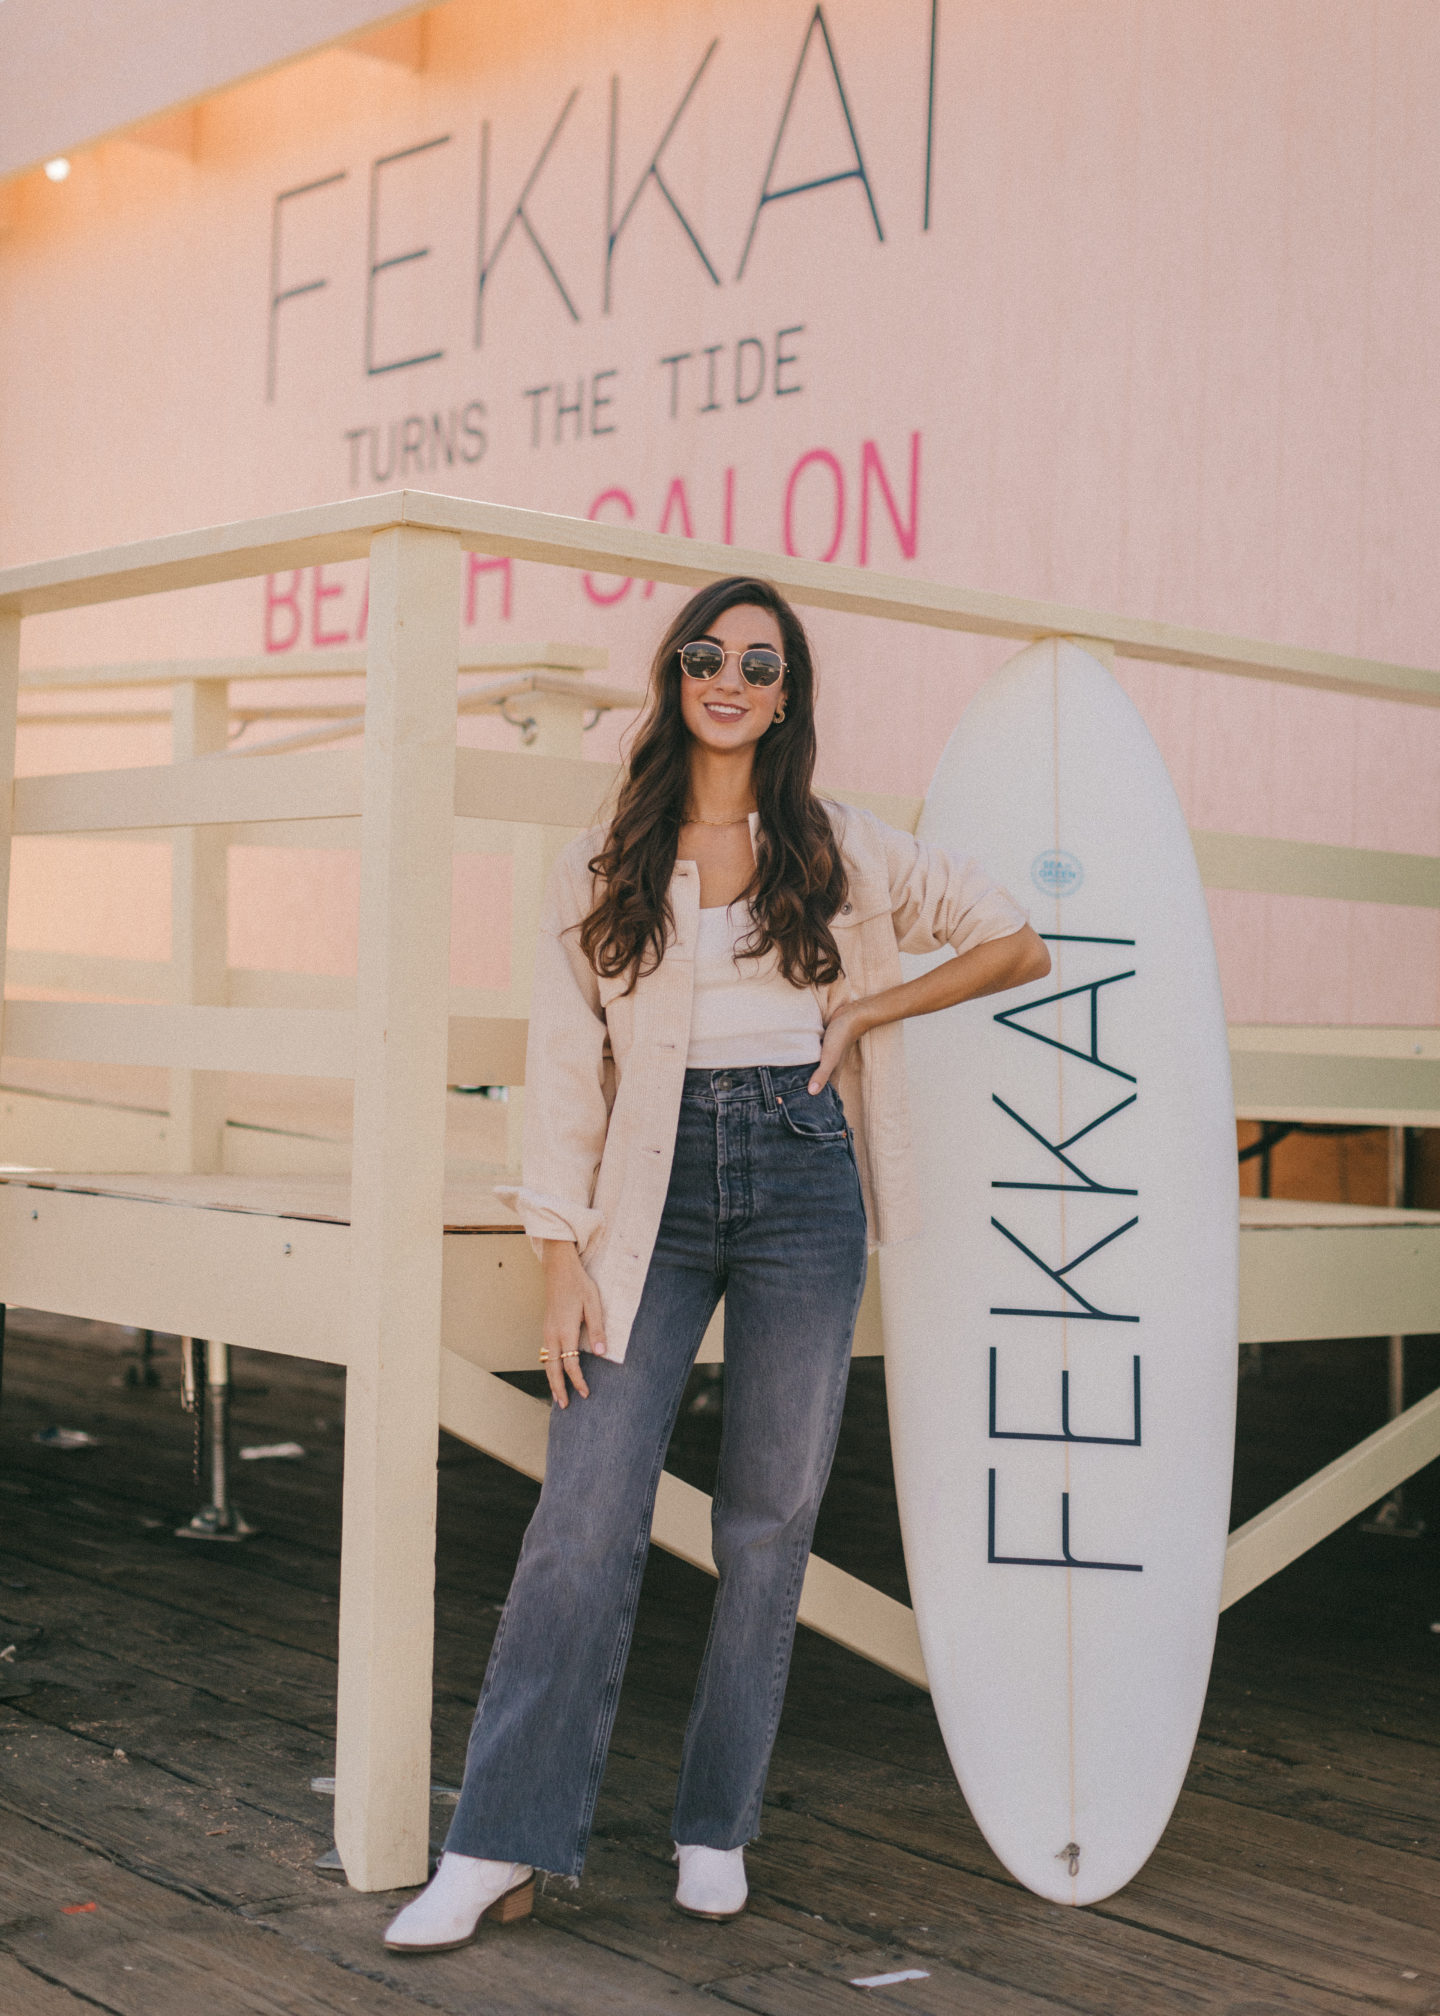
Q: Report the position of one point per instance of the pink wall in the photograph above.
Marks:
(1168, 345)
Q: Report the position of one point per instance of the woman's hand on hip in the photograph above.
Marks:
(990, 968)
(845, 1027)
(571, 1299)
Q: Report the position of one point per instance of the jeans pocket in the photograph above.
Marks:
(817, 1118)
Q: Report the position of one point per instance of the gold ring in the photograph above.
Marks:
(569, 1354)
(544, 1357)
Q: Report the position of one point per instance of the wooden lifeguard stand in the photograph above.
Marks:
(423, 1288)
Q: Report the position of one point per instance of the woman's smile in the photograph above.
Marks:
(726, 710)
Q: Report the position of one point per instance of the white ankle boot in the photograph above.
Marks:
(463, 1890)
(712, 1881)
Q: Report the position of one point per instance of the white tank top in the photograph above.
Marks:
(745, 1011)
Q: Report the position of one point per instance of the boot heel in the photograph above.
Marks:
(516, 1903)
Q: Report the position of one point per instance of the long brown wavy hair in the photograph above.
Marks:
(799, 881)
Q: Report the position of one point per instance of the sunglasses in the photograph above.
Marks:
(759, 665)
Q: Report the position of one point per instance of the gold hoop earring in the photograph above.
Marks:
(779, 713)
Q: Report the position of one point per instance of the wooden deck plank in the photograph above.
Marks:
(22, 1988)
(137, 1812)
(535, 1968)
(1005, 1935)
(1346, 1947)
(944, 1992)
(1393, 1883)
(144, 1950)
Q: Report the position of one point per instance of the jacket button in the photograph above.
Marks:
(846, 908)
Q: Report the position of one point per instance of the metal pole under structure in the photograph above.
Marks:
(219, 1519)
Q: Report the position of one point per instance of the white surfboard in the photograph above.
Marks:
(1061, 1343)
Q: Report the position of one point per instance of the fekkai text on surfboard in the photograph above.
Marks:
(1068, 1176)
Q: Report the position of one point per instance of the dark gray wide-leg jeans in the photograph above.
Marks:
(764, 1208)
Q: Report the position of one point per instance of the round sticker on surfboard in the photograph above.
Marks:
(1060, 1343)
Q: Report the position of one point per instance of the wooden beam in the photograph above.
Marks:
(259, 987)
(394, 1302)
(531, 790)
(296, 1042)
(1346, 1089)
(50, 1131)
(1312, 1271)
(499, 786)
(44, 1130)
(271, 1284)
(283, 1151)
(1305, 868)
(215, 791)
(1334, 1039)
(342, 662)
(1340, 1492)
(341, 531)
(336, 836)
(313, 536)
(142, 980)
(97, 717)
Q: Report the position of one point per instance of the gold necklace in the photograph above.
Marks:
(743, 820)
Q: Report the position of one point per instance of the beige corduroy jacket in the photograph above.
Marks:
(604, 1069)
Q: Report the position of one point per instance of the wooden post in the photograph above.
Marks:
(551, 724)
(382, 1763)
(9, 696)
(199, 927)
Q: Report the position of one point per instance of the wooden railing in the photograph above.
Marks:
(1372, 1075)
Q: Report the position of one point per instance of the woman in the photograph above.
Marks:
(715, 1105)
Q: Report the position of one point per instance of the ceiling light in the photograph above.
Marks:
(57, 169)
